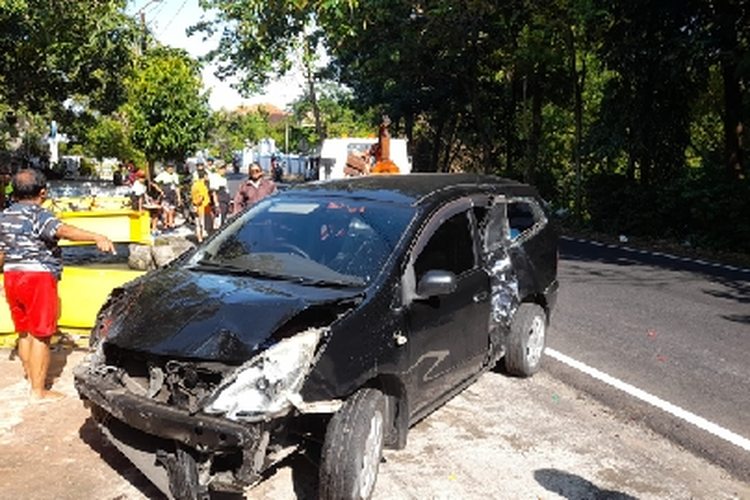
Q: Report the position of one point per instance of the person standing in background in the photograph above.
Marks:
(200, 166)
(169, 182)
(201, 201)
(219, 191)
(6, 189)
(131, 170)
(255, 188)
(140, 195)
(117, 178)
(211, 210)
(138, 191)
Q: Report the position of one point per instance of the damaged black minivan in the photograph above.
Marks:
(339, 312)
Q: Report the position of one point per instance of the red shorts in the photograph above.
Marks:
(34, 304)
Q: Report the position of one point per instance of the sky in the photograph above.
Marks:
(167, 20)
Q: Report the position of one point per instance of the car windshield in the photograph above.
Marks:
(332, 241)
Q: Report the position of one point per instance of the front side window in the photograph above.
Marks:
(450, 248)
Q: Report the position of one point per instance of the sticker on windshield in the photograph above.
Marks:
(293, 208)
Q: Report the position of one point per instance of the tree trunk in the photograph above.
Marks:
(728, 13)
(436, 145)
(409, 127)
(535, 134)
(733, 126)
(313, 96)
(510, 128)
(579, 79)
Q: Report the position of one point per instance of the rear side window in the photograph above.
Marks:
(449, 249)
(522, 216)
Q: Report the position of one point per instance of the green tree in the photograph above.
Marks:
(338, 116)
(260, 39)
(603, 104)
(233, 130)
(110, 137)
(52, 51)
(167, 112)
(660, 65)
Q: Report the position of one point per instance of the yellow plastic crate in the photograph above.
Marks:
(120, 226)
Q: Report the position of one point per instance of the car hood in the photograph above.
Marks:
(189, 314)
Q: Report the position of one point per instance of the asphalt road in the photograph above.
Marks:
(675, 329)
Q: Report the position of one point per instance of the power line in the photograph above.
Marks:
(161, 32)
(157, 10)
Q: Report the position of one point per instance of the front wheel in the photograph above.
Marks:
(528, 336)
(353, 447)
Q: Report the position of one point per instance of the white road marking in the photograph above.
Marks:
(659, 403)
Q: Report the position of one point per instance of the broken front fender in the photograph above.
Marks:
(201, 432)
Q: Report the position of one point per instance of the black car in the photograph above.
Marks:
(338, 312)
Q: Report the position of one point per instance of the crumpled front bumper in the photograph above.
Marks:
(204, 433)
(135, 422)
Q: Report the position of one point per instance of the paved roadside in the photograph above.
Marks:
(503, 438)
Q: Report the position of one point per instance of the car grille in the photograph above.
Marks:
(182, 383)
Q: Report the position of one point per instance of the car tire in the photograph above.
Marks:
(528, 336)
(353, 447)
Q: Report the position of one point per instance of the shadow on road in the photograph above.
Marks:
(575, 487)
(91, 435)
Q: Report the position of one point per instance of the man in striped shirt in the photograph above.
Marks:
(32, 266)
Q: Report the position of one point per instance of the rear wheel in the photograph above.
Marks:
(528, 336)
(353, 447)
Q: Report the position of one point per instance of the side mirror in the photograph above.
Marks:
(436, 282)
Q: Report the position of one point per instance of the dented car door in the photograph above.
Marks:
(447, 333)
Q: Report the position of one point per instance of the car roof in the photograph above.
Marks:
(416, 188)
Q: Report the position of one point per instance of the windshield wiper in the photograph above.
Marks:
(225, 268)
(339, 283)
(207, 265)
(218, 267)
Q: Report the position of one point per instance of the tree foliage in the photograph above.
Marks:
(52, 51)
(339, 115)
(231, 131)
(62, 61)
(109, 137)
(585, 98)
(600, 103)
(167, 111)
(258, 39)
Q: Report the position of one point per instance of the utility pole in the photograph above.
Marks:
(142, 13)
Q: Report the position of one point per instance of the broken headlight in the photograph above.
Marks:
(265, 384)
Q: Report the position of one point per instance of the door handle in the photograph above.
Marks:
(400, 338)
(480, 297)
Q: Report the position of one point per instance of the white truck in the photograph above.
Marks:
(334, 152)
